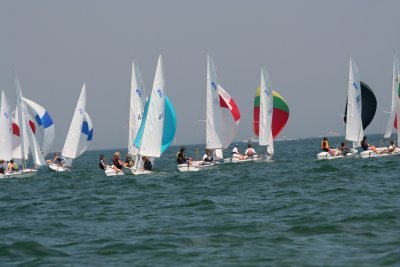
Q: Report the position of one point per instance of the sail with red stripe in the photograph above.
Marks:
(230, 117)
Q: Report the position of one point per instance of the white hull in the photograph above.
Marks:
(249, 159)
(112, 172)
(136, 171)
(337, 155)
(372, 154)
(57, 168)
(20, 174)
(197, 166)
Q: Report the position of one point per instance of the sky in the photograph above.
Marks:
(56, 46)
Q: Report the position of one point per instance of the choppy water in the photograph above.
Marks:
(296, 211)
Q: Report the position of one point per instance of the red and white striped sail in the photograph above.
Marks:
(230, 117)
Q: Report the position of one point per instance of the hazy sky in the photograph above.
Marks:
(56, 46)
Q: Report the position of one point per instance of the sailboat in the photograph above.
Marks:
(158, 123)
(79, 136)
(353, 115)
(393, 119)
(266, 114)
(27, 139)
(136, 111)
(222, 121)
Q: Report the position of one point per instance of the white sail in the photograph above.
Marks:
(398, 110)
(354, 128)
(5, 129)
(21, 119)
(70, 150)
(213, 118)
(44, 125)
(393, 109)
(36, 151)
(153, 130)
(266, 109)
(136, 110)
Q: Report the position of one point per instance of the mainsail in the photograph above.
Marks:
(395, 107)
(266, 113)
(213, 116)
(354, 126)
(136, 110)
(5, 129)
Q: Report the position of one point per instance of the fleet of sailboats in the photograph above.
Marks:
(28, 132)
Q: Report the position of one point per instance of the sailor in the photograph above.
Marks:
(102, 163)
(250, 152)
(344, 150)
(1, 166)
(128, 161)
(366, 146)
(56, 160)
(147, 164)
(12, 166)
(235, 153)
(325, 146)
(180, 157)
(208, 156)
(117, 161)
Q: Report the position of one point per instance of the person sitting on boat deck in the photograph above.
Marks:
(56, 160)
(344, 149)
(147, 166)
(102, 163)
(366, 146)
(128, 161)
(208, 156)
(325, 146)
(117, 161)
(1, 166)
(180, 157)
(250, 152)
(391, 148)
(236, 154)
(12, 166)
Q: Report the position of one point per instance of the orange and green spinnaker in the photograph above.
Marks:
(280, 113)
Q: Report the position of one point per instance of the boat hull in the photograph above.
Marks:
(372, 154)
(57, 168)
(326, 155)
(197, 166)
(20, 174)
(112, 172)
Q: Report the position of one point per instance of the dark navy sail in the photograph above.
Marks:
(369, 105)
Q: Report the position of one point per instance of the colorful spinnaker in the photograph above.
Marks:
(280, 113)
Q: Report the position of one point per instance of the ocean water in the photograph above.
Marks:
(295, 211)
